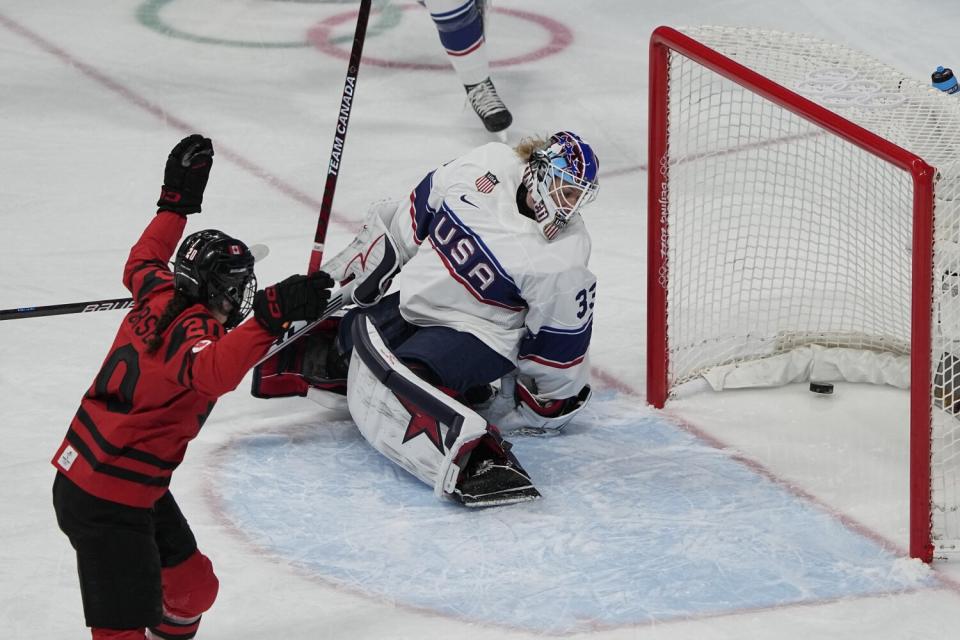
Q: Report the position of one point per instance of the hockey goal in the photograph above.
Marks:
(804, 205)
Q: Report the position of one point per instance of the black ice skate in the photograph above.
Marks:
(488, 482)
(488, 105)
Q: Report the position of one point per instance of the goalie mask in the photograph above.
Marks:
(216, 270)
(561, 178)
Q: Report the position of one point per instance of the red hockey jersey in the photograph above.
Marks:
(134, 423)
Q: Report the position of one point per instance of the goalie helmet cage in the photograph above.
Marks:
(801, 193)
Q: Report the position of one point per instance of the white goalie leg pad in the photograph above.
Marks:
(369, 262)
(426, 431)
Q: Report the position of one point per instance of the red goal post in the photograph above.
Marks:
(791, 200)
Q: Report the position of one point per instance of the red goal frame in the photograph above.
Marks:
(666, 42)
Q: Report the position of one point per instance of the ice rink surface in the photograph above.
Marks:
(748, 514)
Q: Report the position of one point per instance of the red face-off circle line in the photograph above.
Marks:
(560, 38)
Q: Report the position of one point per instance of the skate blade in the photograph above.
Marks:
(500, 499)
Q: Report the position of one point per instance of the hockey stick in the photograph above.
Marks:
(259, 251)
(67, 307)
(296, 330)
(323, 220)
(342, 295)
(339, 136)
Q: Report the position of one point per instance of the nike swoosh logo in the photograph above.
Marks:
(464, 199)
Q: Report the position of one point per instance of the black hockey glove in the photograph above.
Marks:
(186, 174)
(296, 298)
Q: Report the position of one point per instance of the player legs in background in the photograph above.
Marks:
(460, 24)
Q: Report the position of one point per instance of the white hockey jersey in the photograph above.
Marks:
(473, 263)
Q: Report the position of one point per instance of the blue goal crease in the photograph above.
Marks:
(641, 521)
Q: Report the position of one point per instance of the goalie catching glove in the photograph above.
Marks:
(518, 409)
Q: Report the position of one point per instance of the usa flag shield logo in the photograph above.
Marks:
(487, 182)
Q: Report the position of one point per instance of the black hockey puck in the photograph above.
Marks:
(821, 387)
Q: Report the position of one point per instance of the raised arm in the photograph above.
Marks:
(185, 177)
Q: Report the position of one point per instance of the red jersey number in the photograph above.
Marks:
(118, 395)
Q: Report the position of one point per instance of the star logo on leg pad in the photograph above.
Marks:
(419, 423)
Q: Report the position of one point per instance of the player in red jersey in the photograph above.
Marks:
(182, 345)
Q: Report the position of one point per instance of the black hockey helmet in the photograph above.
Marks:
(214, 269)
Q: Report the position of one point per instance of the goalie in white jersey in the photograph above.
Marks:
(489, 256)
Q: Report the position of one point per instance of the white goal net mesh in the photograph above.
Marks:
(783, 234)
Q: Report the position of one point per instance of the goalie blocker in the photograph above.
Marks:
(437, 439)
